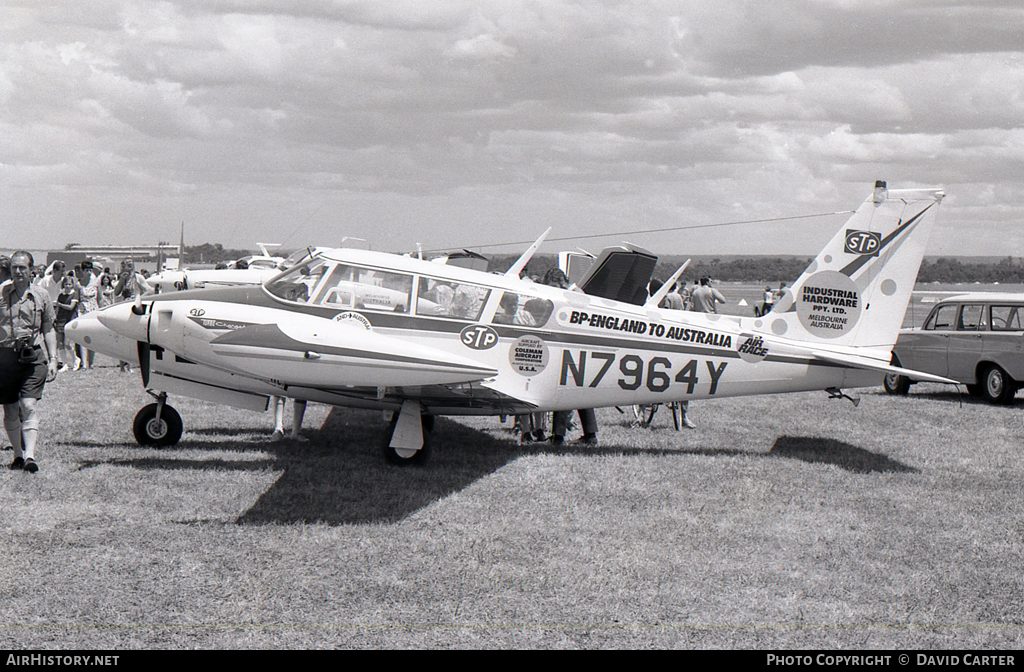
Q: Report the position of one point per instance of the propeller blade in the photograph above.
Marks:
(144, 362)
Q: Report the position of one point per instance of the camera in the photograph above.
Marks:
(26, 351)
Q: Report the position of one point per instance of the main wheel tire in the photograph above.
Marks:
(996, 385)
(152, 432)
(401, 457)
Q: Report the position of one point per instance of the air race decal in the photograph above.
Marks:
(752, 348)
(829, 304)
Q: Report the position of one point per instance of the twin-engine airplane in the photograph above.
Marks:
(420, 339)
(260, 269)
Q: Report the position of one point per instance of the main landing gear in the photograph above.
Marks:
(407, 439)
(157, 424)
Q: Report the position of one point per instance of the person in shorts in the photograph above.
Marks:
(28, 357)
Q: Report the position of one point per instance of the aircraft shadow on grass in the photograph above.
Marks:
(340, 478)
(816, 450)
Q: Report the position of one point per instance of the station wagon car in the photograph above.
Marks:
(976, 339)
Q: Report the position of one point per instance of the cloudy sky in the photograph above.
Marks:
(456, 123)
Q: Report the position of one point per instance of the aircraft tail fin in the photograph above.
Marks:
(856, 291)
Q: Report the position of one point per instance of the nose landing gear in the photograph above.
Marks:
(157, 424)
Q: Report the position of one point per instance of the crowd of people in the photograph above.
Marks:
(38, 302)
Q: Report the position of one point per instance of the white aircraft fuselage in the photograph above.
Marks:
(376, 330)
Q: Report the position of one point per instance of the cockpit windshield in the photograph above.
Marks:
(298, 283)
(336, 285)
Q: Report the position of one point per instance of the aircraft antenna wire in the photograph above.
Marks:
(635, 232)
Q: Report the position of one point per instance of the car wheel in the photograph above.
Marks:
(997, 387)
(894, 383)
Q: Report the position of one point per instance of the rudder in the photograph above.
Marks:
(856, 291)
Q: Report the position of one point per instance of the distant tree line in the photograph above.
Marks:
(788, 269)
(211, 253)
(731, 269)
(950, 269)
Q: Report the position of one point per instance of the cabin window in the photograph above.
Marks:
(942, 318)
(445, 298)
(971, 318)
(1006, 318)
(360, 288)
(523, 310)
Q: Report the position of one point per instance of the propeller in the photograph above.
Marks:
(144, 362)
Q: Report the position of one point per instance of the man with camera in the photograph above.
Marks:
(28, 357)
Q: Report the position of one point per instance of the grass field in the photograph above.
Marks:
(781, 522)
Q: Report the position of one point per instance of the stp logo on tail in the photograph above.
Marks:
(863, 242)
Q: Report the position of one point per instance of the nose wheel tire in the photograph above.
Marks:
(162, 432)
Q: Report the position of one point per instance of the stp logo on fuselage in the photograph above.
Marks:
(197, 312)
(479, 337)
(863, 242)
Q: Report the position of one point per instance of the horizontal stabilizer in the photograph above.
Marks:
(875, 365)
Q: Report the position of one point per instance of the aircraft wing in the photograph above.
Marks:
(452, 399)
(325, 353)
(870, 364)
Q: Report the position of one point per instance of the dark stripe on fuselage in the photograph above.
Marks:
(270, 336)
(257, 296)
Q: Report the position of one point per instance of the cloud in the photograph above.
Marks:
(508, 112)
(732, 39)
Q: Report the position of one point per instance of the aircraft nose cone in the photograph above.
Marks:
(120, 319)
(88, 332)
(83, 329)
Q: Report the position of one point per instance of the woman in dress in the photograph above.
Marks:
(89, 284)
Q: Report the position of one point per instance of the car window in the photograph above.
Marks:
(971, 317)
(942, 318)
(1006, 318)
